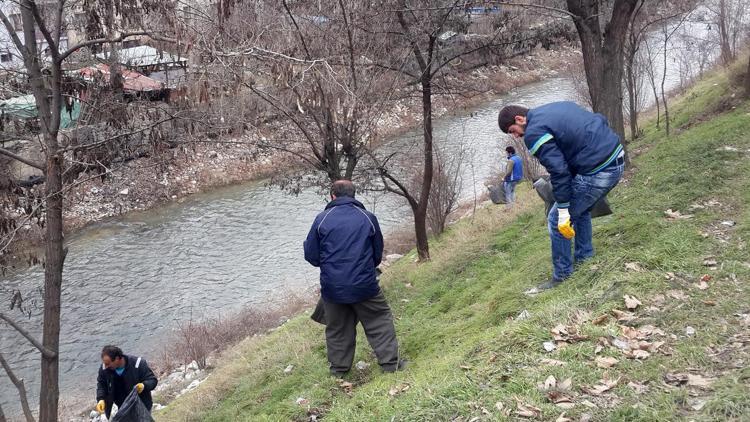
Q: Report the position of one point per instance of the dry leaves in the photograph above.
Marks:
(526, 410)
(600, 388)
(606, 362)
(552, 362)
(562, 418)
(633, 266)
(622, 316)
(601, 319)
(394, 391)
(346, 386)
(676, 215)
(567, 334)
(638, 387)
(692, 380)
(631, 302)
(558, 393)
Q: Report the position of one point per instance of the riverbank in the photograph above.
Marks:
(656, 327)
(145, 183)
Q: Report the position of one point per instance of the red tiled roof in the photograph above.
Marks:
(132, 81)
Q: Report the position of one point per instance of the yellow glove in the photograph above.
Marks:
(563, 223)
(101, 407)
(139, 387)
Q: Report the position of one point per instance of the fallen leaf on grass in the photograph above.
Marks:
(606, 362)
(676, 215)
(702, 285)
(601, 319)
(699, 381)
(706, 277)
(709, 302)
(631, 302)
(560, 399)
(631, 333)
(302, 401)
(623, 316)
(669, 276)
(552, 362)
(638, 354)
(526, 410)
(465, 367)
(548, 384)
(709, 262)
(394, 391)
(649, 330)
(346, 386)
(603, 386)
(638, 387)
(633, 266)
(677, 294)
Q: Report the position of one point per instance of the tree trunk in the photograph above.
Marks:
(603, 55)
(420, 213)
(663, 79)
(48, 102)
(726, 49)
(632, 97)
(747, 79)
(54, 257)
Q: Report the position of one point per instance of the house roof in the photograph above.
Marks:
(144, 55)
(132, 80)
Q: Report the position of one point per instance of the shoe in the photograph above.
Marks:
(544, 286)
(399, 367)
(338, 374)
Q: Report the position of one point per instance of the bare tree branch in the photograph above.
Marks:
(21, 391)
(26, 161)
(49, 354)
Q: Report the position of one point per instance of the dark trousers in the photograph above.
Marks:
(341, 332)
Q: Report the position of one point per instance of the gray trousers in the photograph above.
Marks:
(341, 332)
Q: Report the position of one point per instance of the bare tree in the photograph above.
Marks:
(47, 85)
(667, 31)
(602, 43)
(729, 16)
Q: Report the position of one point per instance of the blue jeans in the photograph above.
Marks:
(587, 190)
(510, 191)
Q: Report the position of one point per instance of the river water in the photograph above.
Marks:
(131, 280)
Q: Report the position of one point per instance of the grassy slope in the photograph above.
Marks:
(456, 314)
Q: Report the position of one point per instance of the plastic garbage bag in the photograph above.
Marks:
(544, 189)
(132, 410)
(497, 194)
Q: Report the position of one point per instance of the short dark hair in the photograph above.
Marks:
(510, 149)
(508, 115)
(343, 187)
(113, 352)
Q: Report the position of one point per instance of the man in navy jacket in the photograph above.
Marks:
(345, 241)
(585, 161)
(118, 375)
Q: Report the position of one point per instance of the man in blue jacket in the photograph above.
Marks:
(345, 241)
(585, 161)
(513, 174)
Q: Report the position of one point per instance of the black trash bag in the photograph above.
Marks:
(497, 194)
(544, 189)
(132, 410)
(319, 314)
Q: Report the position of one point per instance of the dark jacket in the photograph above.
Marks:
(345, 241)
(568, 141)
(136, 371)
